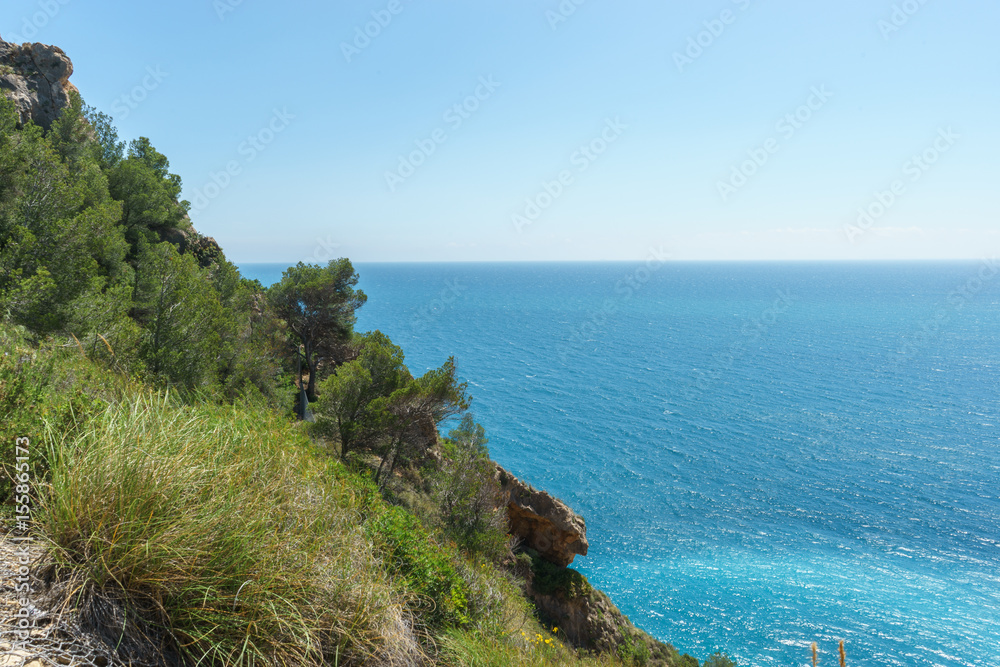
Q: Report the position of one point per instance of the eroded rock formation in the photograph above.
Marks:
(541, 522)
(36, 77)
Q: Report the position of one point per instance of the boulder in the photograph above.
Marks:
(36, 77)
(541, 522)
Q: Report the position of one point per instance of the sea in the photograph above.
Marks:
(766, 454)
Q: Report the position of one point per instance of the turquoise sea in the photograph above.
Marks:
(767, 454)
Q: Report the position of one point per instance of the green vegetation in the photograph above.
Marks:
(188, 512)
(318, 305)
(550, 579)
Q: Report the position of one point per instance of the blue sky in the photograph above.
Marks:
(585, 130)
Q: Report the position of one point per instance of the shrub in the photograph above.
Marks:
(719, 659)
(468, 494)
(426, 567)
(633, 650)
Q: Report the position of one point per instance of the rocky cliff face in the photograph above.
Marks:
(551, 535)
(541, 522)
(36, 77)
(587, 617)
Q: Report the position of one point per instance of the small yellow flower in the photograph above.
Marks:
(555, 629)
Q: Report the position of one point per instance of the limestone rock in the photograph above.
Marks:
(543, 523)
(204, 248)
(36, 77)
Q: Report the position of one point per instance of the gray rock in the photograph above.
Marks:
(36, 77)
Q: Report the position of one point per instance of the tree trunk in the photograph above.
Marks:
(312, 361)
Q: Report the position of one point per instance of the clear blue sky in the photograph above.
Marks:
(923, 81)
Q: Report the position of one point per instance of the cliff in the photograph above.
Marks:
(36, 77)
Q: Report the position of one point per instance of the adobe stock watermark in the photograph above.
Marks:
(714, 28)
(562, 13)
(913, 170)
(900, 16)
(454, 116)
(123, 106)
(47, 10)
(753, 330)
(626, 289)
(364, 34)
(582, 158)
(786, 126)
(23, 620)
(954, 304)
(445, 301)
(248, 150)
(223, 7)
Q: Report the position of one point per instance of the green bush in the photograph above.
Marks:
(633, 650)
(426, 567)
(719, 659)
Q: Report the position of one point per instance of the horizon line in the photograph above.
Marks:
(924, 260)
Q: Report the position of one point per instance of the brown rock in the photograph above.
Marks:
(592, 621)
(588, 619)
(36, 77)
(542, 522)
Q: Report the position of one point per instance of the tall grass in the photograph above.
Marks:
(52, 386)
(522, 649)
(213, 532)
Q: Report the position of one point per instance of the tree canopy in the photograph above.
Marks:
(318, 304)
(374, 404)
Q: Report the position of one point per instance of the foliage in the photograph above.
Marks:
(41, 390)
(347, 409)
(719, 659)
(415, 410)
(373, 404)
(318, 305)
(82, 253)
(428, 570)
(468, 493)
(180, 314)
(550, 579)
(633, 650)
(253, 338)
(148, 192)
(60, 247)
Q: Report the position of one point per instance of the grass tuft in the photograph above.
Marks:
(213, 532)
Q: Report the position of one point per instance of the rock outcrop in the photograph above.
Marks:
(589, 621)
(188, 240)
(36, 77)
(541, 522)
(587, 617)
